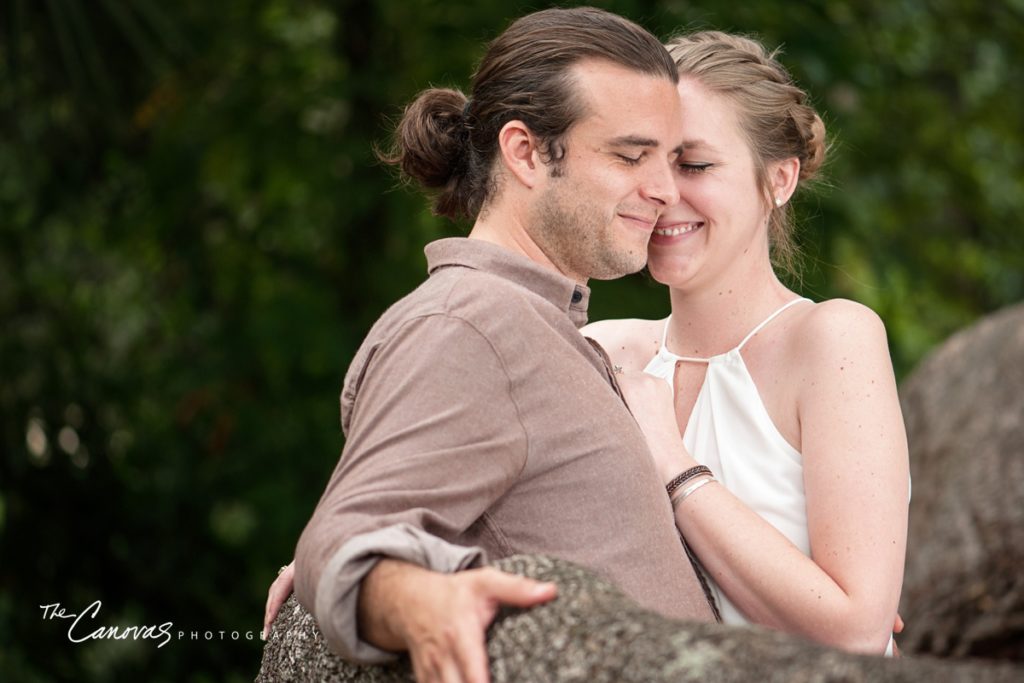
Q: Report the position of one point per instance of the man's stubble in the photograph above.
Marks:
(580, 238)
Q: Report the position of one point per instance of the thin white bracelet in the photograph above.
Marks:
(676, 500)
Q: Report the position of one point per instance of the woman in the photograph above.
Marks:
(791, 405)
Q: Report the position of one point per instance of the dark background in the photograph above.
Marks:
(194, 237)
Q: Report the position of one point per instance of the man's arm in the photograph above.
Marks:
(434, 439)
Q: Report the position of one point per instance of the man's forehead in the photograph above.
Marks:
(624, 107)
(596, 75)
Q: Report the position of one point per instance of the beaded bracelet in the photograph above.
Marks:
(685, 477)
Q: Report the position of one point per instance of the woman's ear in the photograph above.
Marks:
(519, 154)
(783, 177)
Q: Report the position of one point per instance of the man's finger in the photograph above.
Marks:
(471, 652)
(517, 591)
(419, 669)
(449, 670)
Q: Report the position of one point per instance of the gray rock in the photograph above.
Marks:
(963, 594)
(592, 633)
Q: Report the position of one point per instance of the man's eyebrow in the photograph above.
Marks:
(632, 141)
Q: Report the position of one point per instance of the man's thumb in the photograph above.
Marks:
(518, 591)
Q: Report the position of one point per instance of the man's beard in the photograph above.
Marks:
(579, 239)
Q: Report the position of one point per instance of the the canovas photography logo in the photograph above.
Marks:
(85, 625)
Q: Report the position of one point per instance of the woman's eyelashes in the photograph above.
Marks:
(691, 168)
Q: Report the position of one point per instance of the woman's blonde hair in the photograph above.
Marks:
(773, 112)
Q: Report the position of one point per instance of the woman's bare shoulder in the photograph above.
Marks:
(629, 342)
(837, 330)
(838, 322)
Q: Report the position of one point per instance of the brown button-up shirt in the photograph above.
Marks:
(480, 422)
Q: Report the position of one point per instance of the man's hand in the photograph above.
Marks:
(440, 618)
(279, 591)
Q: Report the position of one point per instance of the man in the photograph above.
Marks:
(478, 420)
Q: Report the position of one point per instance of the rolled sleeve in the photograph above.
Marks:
(338, 593)
(433, 440)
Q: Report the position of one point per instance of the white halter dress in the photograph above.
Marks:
(731, 432)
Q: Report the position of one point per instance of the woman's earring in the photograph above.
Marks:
(778, 202)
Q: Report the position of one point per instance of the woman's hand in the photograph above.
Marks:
(651, 402)
(278, 593)
(897, 628)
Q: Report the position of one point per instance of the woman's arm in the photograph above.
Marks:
(278, 592)
(855, 476)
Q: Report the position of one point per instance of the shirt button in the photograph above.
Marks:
(577, 296)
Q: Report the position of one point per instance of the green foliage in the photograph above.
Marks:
(194, 237)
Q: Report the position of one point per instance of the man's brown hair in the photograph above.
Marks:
(448, 143)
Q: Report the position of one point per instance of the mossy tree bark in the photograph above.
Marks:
(592, 633)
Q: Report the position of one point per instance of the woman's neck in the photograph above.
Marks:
(714, 318)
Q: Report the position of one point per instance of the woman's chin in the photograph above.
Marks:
(673, 272)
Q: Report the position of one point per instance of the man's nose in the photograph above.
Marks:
(660, 184)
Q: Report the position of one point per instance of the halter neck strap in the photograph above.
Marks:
(693, 359)
(769, 319)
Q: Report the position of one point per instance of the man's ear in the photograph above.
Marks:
(519, 153)
(783, 176)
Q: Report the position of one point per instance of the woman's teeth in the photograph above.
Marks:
(677, 230)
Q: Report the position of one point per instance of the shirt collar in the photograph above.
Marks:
(562, 292)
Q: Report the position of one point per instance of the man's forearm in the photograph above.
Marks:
(335, 590)
(380, 602)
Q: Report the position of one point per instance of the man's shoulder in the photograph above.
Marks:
(473, 296)
(459, 312)
(456, 306)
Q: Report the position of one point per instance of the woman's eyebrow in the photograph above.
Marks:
(697, 144)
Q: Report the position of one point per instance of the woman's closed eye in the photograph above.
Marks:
(694, 168)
